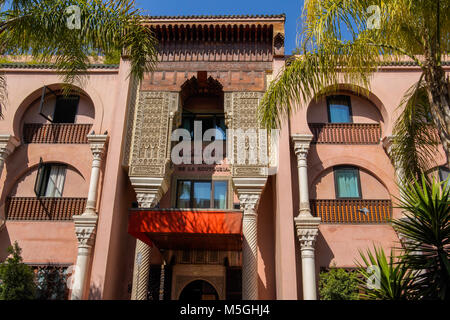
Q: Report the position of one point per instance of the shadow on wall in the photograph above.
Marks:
(5, 242)
(13, 166)
(324, 253)
(266, 249)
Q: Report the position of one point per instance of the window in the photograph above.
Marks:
(209, 121)
(347, 183)
(57, 108)
(65, 109)
(50, 180)
(339, 109)
(202, 194)
(443, 174)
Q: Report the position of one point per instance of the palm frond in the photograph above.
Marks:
(425, 231)
(416, 141)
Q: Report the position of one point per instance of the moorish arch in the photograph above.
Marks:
(386, 180)
(92, 98)
(183, 281)
(32, 161)
(25, 173)
(360, 93)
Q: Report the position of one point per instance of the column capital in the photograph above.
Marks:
(98, 144)
(301, 145)
(387, 143)
(149, 190)
(8, 143)
(249, 192)
(85, 226)
(307, 230)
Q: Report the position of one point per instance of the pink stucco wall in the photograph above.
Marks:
(279, 263)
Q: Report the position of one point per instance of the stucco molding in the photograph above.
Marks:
(149, 190)
(8, 143)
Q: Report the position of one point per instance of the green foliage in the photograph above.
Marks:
(388, 279)
(338, 284)
(112, 58)
(17, 279)
(425, 231)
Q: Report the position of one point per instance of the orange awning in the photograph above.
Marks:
(187, 229)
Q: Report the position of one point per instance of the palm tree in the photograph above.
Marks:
(425, 234)
(404, 29)
(49, 31)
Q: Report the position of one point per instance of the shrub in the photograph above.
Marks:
(338, 284)
(16, 278)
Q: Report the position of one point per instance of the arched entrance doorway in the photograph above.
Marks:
(199, 290)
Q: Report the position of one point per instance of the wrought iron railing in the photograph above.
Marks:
(56, 133)
(352, 210)
(346, 133)
(45, 209)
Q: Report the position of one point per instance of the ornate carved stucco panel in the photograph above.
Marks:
(150, 150)
(241, 109)
(131, 111)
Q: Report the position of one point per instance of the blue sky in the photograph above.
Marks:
(292, 9)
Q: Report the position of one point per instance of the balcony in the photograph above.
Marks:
(56, 133)
(44, 209)
(346, 133)
(352, 211)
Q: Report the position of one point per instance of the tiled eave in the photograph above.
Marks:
(214, 18)
(18, 66)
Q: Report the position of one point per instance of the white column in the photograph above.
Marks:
(141, 271)
(307, 226)
(85, 226)
(86, 223)
(249, 192)
(7, 145)
(149, 191)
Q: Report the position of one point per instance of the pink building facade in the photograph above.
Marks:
(89, 188)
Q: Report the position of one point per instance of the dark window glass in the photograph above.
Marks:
(347, 183)
(220, 194)
(339, 109)
(65, 109)
(50, 180)
(202, 194)
(209, 121)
